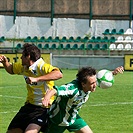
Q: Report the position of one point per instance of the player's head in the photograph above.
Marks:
(86, 77)
(31, 52)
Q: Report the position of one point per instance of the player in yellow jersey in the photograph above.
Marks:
(39, 77)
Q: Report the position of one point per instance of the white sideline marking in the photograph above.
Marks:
(11, 96)
(13, 86)
(107, 104)
(104, 104)
(8, 112)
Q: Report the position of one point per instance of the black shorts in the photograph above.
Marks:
(30, 114)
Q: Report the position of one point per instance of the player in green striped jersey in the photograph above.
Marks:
(69, 100)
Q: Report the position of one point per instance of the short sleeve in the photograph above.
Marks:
(47, 68)
(17, 68)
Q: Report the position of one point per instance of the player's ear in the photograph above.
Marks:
(83, 84)
(28, 57)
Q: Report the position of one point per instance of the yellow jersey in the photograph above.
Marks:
(36, 91)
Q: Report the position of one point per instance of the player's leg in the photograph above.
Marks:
(40, 121)
(32, 128)
(15, 130)
(18, 123)
(79, 126)
(85, 129)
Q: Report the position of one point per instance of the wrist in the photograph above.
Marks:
(5, 63)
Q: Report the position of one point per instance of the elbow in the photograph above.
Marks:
(56, 75)
(10, 72)
(60, 75)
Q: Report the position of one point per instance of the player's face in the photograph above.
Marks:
(90, 85)
(25, 60)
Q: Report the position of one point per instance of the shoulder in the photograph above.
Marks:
(69, 89)
(48, 68)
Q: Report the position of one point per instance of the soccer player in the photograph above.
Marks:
(70, 98)
(39, 77)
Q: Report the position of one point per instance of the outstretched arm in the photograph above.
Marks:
(6, 64)
(118, 70)
(46, 100)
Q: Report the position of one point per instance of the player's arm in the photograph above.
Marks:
(46, 100)
(6, 64)
(53, 75)
(118, 70)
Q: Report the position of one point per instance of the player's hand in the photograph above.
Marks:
(32, 80)
(3, 59)
(118, 70)
(46, 102)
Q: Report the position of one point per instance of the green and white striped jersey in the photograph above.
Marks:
(70, 99)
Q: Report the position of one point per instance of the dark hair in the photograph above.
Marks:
(32, 50)
(83, 73)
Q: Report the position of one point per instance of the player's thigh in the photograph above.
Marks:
(85, 129)
(77, 125)
(15, 130)
(32, 128)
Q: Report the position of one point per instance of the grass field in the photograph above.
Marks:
(107, 111)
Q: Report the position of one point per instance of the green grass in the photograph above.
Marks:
(106, 111)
